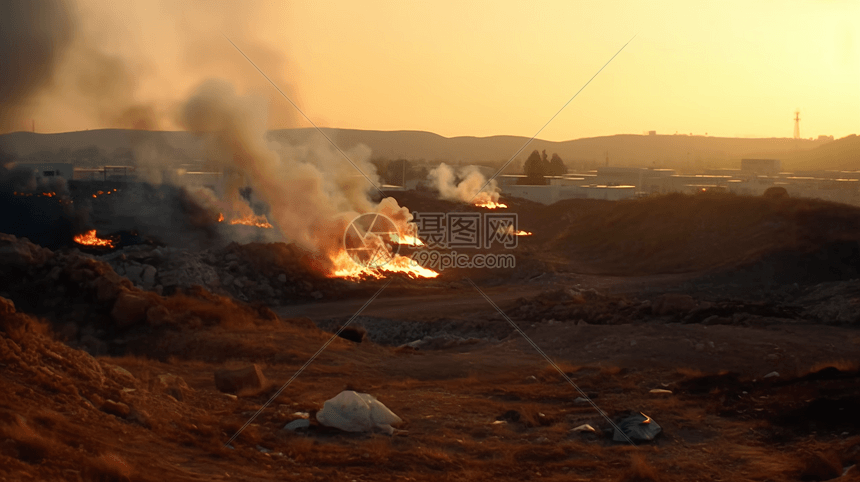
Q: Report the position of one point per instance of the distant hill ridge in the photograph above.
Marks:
(675, 151)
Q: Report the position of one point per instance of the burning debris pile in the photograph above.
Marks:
(471, 188)
(68, 287)
(269, 273)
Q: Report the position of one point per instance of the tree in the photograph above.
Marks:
(556, 166)
(535, 169)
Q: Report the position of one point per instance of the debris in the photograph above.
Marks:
(116, 408)
(638, 428)
(130, 308)
(246, 380)
(298, 424)
(660, 390)
(357, 412)
(583, 428)
(509, 416)
(771, 375)
(580, 401)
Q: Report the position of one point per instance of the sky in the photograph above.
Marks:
(728, 68)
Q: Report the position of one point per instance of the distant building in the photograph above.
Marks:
(66, 170)
(761, 167)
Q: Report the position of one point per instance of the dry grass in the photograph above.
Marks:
(639, 471)
(108, 467)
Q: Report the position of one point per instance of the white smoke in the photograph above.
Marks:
(313, 193)
(469, 187)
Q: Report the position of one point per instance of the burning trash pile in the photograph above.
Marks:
(68, 287)
(269, 273)
(467, 185)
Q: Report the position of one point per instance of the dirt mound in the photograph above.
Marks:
(679, 233)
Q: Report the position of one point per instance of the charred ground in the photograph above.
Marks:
(108, 377)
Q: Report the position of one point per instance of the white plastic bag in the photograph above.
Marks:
(357, 412)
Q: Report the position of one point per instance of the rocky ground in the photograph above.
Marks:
(141, 364)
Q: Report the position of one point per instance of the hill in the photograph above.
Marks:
(673, 151)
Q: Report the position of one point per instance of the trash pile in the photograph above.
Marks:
(269, 273)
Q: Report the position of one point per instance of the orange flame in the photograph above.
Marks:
(510, 230)
(252, 220)
(491, 204)
(408, 240)
(346, 267)
(90, 239)
(220, 217)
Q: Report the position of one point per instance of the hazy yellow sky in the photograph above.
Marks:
(728, 68)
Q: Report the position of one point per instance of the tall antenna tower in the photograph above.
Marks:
(797, 124)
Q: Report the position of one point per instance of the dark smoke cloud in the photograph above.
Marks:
(34, 36)
(75, 64)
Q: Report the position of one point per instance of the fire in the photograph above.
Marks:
(346, 267)
(220, 217)
(408, 240)
(518, 232)
(90, 239)
(251, 220)
(490, 204)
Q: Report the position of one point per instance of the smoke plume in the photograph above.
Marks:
(34, 35)
(464, 186)
(313, 193)
(77, 64)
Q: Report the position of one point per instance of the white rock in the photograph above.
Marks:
(583, 428)
(771, 375)
(148, 276)
(357, 412)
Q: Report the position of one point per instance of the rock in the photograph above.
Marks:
(107, 289)
(580, 401)
(170, 278)
(158, 315)
(660, 390)
(301, 423)
(115, 408)
(637, 427)
(227, 281)
(94, 346)
(130, 309)
(133, 273)
(771, 375)
(231, 257)
(317, 295)
(122, 372)
(357, 412)
(821, 466)
(583, 428)
(355, 333)
(282, 278)
(7, 306)
(243, 381)
(673, 303)
(173, 385)
(148, 276)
